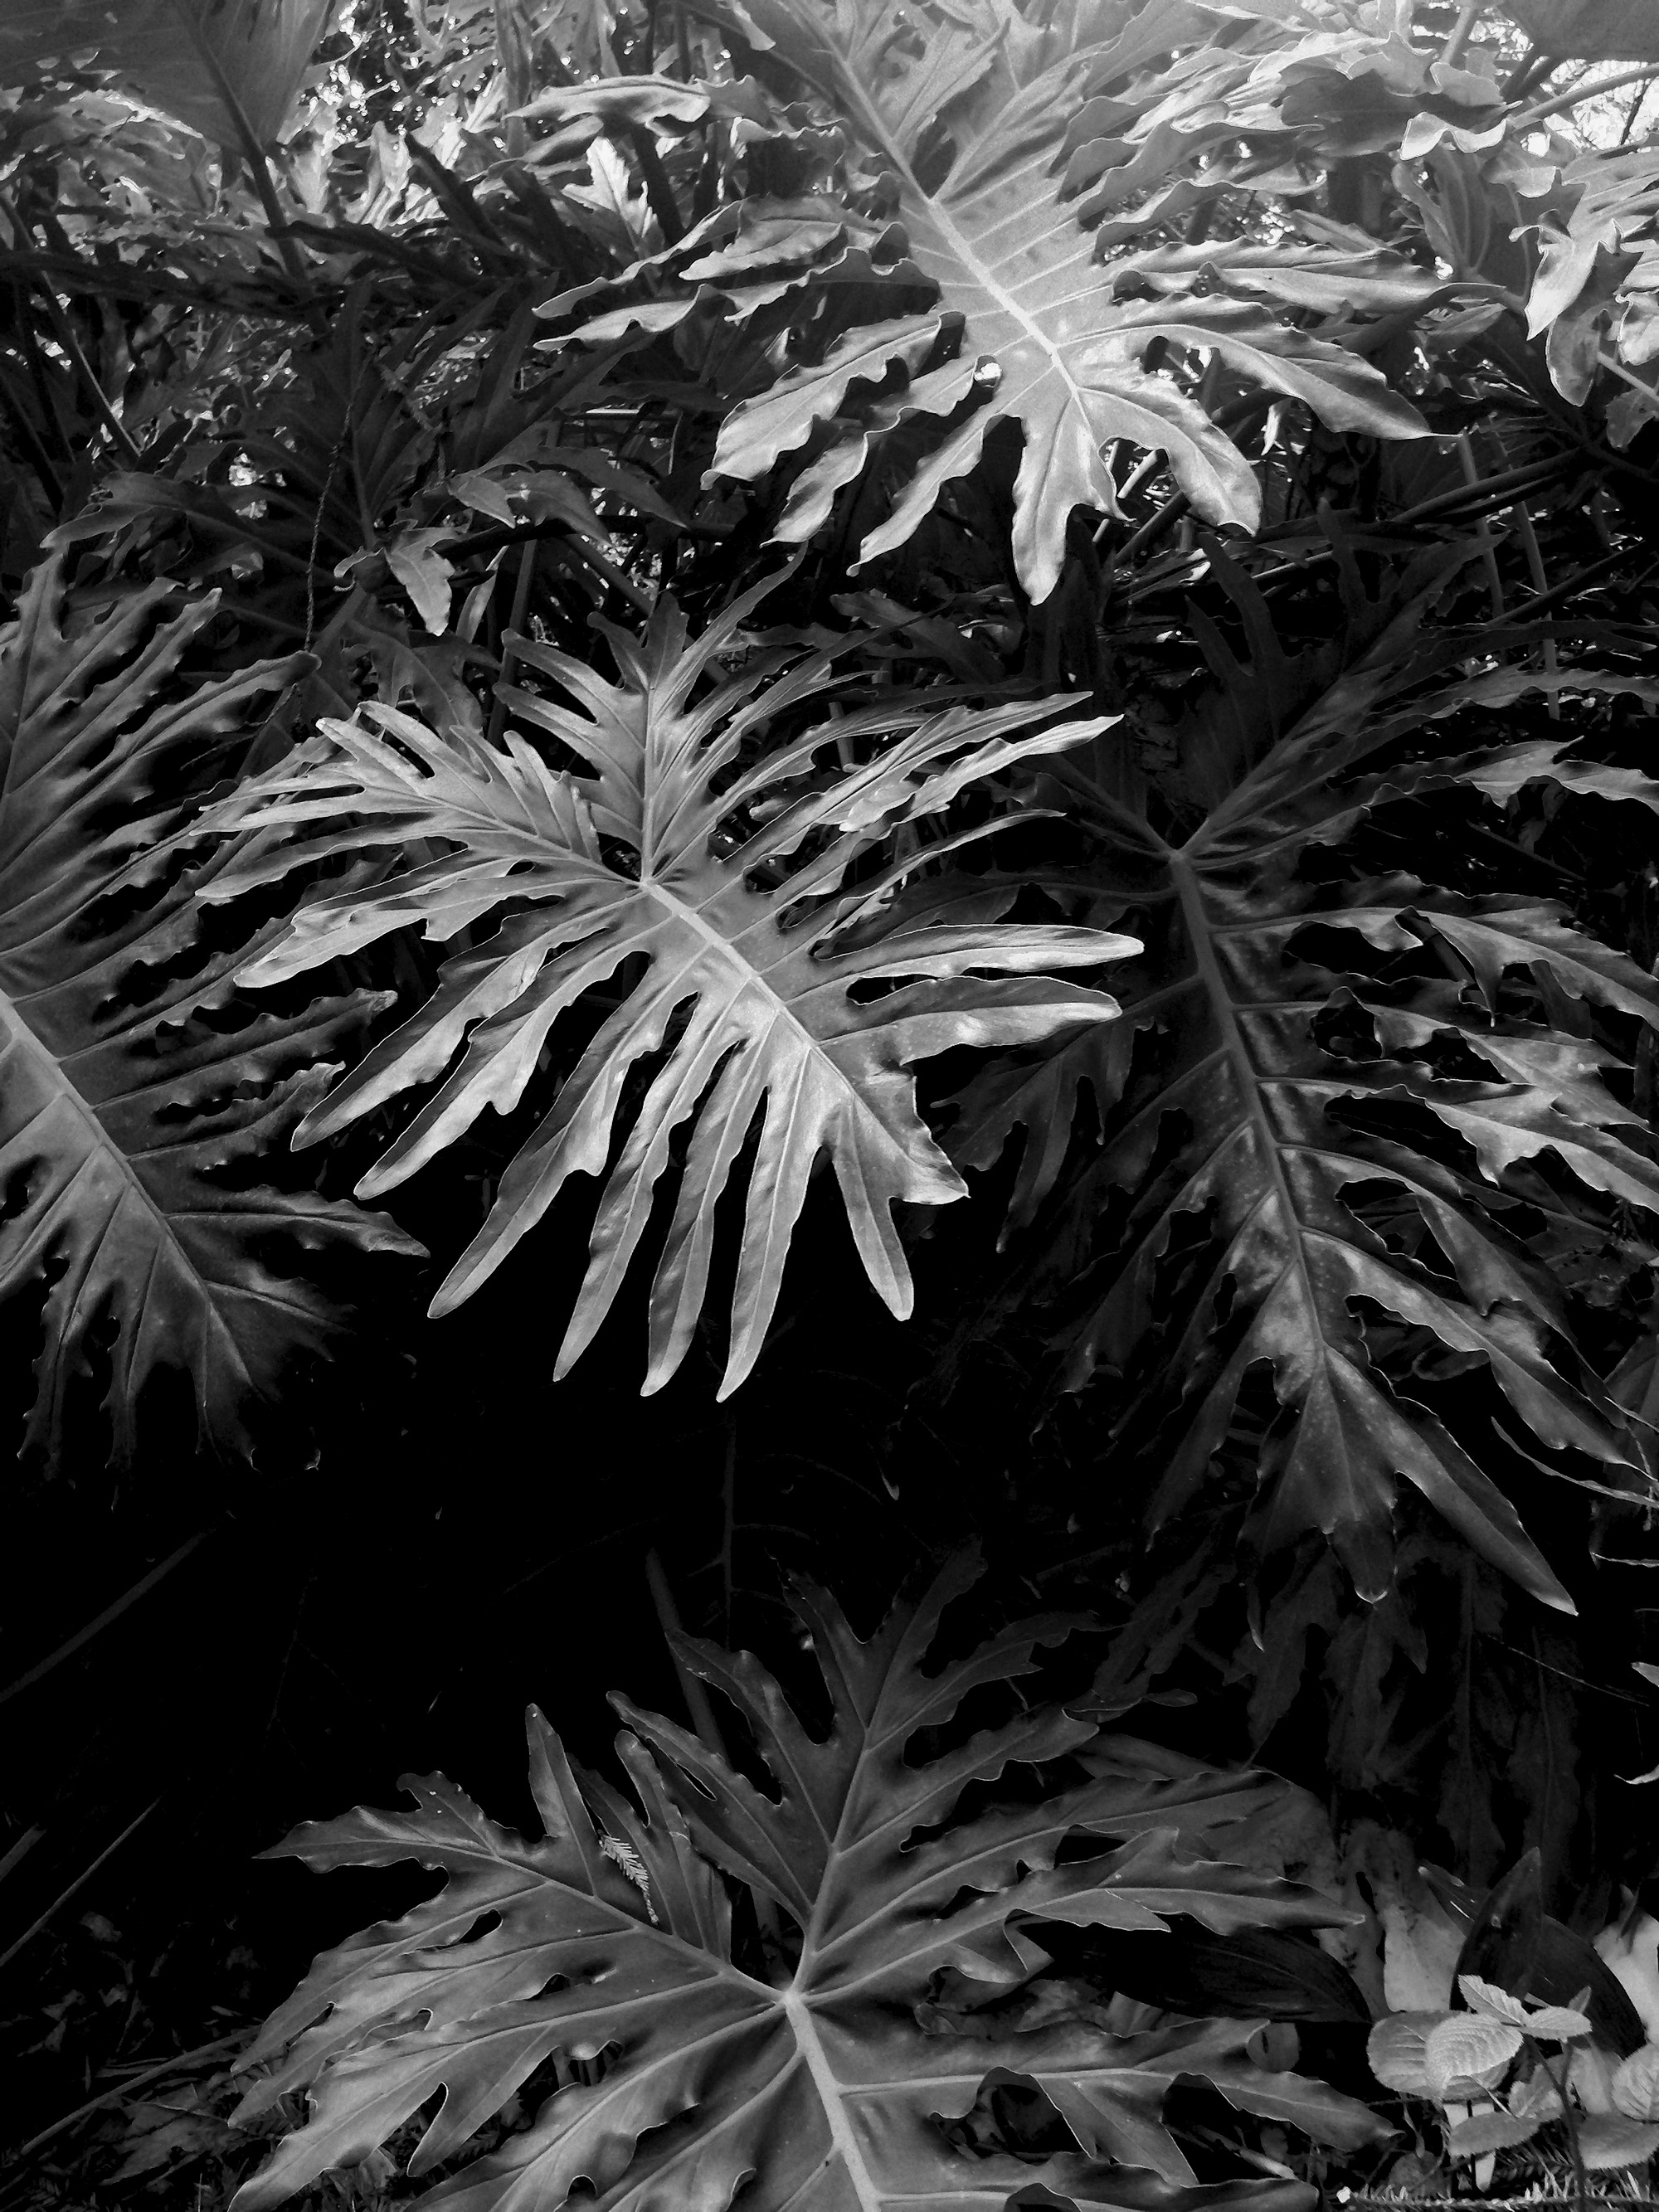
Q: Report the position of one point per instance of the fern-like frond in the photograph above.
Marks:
(749, 1012)
(131, 1097)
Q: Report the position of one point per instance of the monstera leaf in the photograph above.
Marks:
(1292, 1080)
(743, 987)
(129, 1090)
(969, 114)
(907, 1977)
(182, 56)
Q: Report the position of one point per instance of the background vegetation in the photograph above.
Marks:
(930, 725)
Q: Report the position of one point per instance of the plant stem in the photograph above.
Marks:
(1569, 2118)
(1581, 91)
(125, 2089)
(498, 702)
(1488, 555)
(73, 1643)
(1452, 52)
(1532, 71)
(78, 1884)
(1500, 491)
(63, 331)
(19, 1850)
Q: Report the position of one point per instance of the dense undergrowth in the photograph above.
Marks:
(929, 727)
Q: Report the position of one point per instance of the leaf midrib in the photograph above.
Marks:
(955, 240)
(1189, 890)
(104, 1144)
(812, 1047)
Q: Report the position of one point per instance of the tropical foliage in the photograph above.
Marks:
(844, 2062)
(1012, 639)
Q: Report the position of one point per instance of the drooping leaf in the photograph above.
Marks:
(747, 991)
(261, 47)
(838, 2085)
(132, 1097)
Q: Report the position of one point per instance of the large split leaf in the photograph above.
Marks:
(128, 1086)
(908, 1971)
(173, 53)
(744, 1006)
(968, 113)
(1271, 1088)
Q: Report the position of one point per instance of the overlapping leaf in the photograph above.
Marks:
(739, 1019)
(180, 55)
(912, 1952)
(1026, 327)
(127, 1088)
(1239, 1054)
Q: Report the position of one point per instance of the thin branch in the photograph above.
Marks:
(125, 2089)
(76, 1885)
(73, 1643)
(19, 1850)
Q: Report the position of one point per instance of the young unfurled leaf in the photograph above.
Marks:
(746, 988)
(837, 2086)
